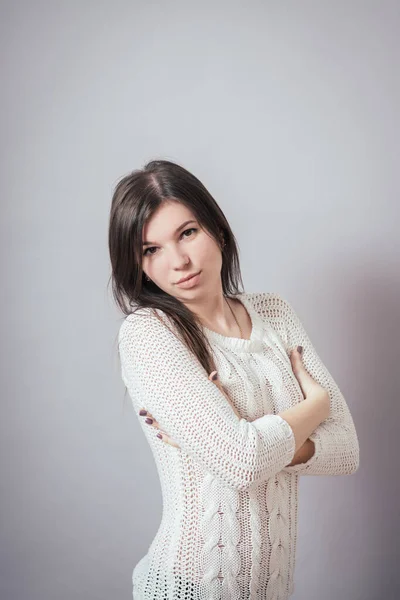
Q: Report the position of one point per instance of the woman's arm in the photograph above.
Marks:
(303, 454)
(172, 384)
(304, 417)
(335, 439)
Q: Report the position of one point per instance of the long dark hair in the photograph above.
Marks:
(136, 197)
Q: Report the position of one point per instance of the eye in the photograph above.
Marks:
(191, 229)
(147, 249)
(155, 247)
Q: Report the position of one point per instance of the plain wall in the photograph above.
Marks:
(289, 114)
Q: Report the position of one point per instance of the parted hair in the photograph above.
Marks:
(135, 199)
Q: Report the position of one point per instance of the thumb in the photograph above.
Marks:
(213, 376)
(306, 382)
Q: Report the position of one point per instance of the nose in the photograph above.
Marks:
(178, 260)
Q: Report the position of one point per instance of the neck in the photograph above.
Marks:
(216, 313)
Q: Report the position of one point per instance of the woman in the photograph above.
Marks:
(231, 408)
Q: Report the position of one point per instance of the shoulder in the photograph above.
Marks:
(135, 320)
(146, 326)
(277, 312)
(269, 304)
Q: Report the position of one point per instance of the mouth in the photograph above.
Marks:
(187, 278)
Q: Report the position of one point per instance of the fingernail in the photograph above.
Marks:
(215, 376)
(159, 435)
(149, 421)
(300, 349)
(143, 412)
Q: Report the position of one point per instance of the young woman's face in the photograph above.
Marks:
(178, 250)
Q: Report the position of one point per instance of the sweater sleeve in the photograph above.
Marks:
(335, 439)
(174, 387)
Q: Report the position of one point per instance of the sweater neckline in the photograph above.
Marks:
(254, 343)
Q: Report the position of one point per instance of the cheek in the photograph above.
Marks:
(209, 252)
(155, 269)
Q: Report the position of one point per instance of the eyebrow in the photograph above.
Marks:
(175, 232)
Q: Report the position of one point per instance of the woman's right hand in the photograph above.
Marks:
(310, 388)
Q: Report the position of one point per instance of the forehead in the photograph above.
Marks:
(166, 219)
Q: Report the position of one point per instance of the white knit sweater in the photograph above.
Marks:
(229, 523)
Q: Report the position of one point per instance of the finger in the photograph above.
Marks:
(154, 423)
(296, 354)
(296, 360)
(305, 380)
(298, 366)
(213, 376)
(148, 417)
(165, 438)
(215, 379)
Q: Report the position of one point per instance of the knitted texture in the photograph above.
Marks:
(229, 523)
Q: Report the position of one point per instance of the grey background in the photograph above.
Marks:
(289, 114)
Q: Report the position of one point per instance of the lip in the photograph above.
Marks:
(187, 278)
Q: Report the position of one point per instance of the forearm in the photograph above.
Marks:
(303, 454)
(304, 418)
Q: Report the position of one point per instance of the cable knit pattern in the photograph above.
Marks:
(230, 536)
(210, 525)
(229, 523)
(256, 540)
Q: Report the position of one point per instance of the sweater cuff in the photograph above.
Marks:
(285, 450)
(307, 466)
